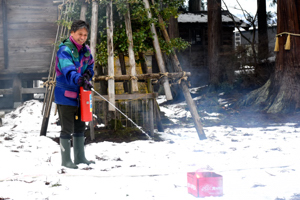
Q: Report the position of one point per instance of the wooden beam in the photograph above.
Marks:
(184, 87)
(83, 11)
(33, 90)
(110, 52)
(6, 91)
(5, 37)
(57, 2)
(158, 53)
(176, 75)
(134, 96)
(133, 81)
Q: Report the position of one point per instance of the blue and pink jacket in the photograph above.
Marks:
(72, 60)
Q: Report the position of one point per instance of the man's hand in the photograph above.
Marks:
(87, 74)
(83, 82)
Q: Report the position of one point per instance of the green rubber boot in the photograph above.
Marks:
(79, 156)
(65, 154)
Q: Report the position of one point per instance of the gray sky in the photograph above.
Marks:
(249, 5)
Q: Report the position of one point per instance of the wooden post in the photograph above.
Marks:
(17, 90)
(83, 11)
(190, 102)
(147, 68)
(94, 28)
(134, 85)
(110, 52)
(158, 54)
(159, 124)
(93, 42)
(5, 37)
(150, 90)
(151, 111)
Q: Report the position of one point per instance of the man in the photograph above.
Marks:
(74, 69)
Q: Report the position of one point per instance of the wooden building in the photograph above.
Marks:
(193, 28)
(27, 34)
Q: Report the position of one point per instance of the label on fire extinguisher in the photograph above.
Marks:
(91, 106)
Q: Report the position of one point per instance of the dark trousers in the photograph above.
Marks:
(69, 124)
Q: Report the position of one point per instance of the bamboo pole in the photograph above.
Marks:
(190, 102)
(159, 124)
(158, 54)
(133, 80)
(151, 111)
(93, 42)
(83, 11)
(51, 77)
(110, 52)
(176, 75)
(94, 28)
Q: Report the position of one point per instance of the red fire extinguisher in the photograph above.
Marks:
(86, 106)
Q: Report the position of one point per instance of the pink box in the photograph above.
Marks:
(204, 184)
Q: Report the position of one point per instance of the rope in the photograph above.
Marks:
(109, 78)
(184, 77)
(287, 33)
(287, 45)
(49, 83)
(133, 78)
(164, 74)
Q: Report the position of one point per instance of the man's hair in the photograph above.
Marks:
(79, 24)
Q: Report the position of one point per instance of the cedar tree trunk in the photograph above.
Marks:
(281, 93)
(214, 41)
(263, 41)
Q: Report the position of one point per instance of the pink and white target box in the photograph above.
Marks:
(204, 184)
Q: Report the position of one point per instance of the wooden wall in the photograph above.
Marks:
(31, 31)
(1, 39)
(195, 58)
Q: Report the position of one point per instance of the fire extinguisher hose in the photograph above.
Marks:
(92, 89)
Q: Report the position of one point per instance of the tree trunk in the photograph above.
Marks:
(263, 69)
(83, 11)
(214, 41)
(263, 41)
(194, 5)
(110, 53)
(173, 28)
(281, 92)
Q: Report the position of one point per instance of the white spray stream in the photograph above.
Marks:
(122, 113)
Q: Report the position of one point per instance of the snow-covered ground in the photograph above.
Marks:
(260, 163)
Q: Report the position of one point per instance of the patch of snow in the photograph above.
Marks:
(202, 18)
(256, 163)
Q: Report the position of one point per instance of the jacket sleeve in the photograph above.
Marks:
(67, 66)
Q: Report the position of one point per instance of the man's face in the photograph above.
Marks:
(80, 36)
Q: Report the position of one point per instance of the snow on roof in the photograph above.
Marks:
(192, 18)
(202, 18)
